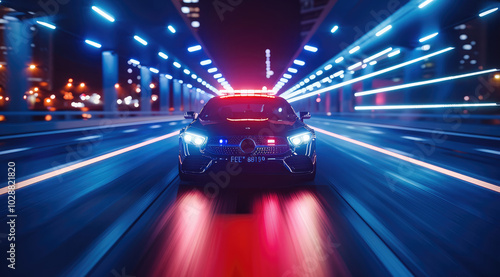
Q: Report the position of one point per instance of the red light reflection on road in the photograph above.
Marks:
(283, 236)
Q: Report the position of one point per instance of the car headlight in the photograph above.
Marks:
(299, 139)
(195, 139)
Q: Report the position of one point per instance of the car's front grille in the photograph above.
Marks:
(229, 146)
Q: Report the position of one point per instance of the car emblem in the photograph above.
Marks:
(247, 146)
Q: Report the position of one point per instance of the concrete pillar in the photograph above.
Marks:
(109, 79)
(346, 104)
(164, 93)
(185, 98)
(366, 84)
(18, 40)
(145, 90)
(177, 97)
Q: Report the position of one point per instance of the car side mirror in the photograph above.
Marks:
(305, 115)
(190, 115)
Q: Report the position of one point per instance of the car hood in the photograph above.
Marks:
(233, 128)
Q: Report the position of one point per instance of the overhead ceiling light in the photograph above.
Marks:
(311, 48)
(168, 76)
(428, 37)
(299, 62)
(339, 60)
(381, 32)
(133, 61)
(48, 25)
(488, 12)
(319, 72)
(354, 50)
(163, 55)
(93, 43)
(185, 9)
(194, 48)
(328, 67)
(176, 64)
(377, 55)
(187, 72)
(288, 76)
(154, 70)
(171, 29)
(337, 74)
(354, 66)
(206, 62)
(394, 53)
(334, 29)
(425, 3)
(292, 70)
(217, 76)
(141, 40)
(212, 70)
(103, 14)
(195, 24)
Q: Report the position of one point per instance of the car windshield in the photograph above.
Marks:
(248, 109)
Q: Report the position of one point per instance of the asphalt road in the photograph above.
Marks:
(108, 202)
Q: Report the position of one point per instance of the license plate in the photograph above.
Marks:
(251, 159)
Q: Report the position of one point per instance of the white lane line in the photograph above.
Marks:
(413, 129)
(88, 138)
(67, 169)
(172, 123)
(130, 131)
(155, 126)
(444, 171)
(489, 151)
(413, 138)
(14, 150)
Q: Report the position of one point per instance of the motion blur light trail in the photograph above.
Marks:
(283, 235)
(66, 169)
(450, 173)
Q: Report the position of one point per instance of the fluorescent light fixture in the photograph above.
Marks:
(377, 55)
(299, 62)
(280, 84)
(284, 80)
(288, 76)
(141, 40)
(319, 72)
(354, 50)
(194, 48)
(212, 70)
(394, 53)
(187, 72)
(163, 55)
(176, 64)
(189, 86)
(339, 60)
(373, 62)
(364, 77)
(199, 80)
(171, 29)
(93, 43)
(311, 48)
(354, 66)
(423, 83)
(220, 80)
(217, 76)
(292, 70)
(103, 14)
(206, 62)
(381, 32)
(426, 38)
(328, 67)
(168, 76)
(312, 77)
(425, 3)
(154, 70)
(133, 61)
(337, 74)
(48, 25)
(433, 106)
(334, 29)
(194, 76)
(485, 13)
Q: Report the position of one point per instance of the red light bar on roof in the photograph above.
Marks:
(247, 92)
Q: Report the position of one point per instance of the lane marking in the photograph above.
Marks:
(67, 169)
(413, 138)
(155, 126)
(444, 171)
(376, 132)
(412, 129)
(14, 150)
(130, 131)
(489, 151)
(88, 138)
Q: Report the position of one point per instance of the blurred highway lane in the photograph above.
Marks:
(366, 213)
